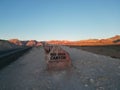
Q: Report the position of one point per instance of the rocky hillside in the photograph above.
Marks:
(5, 45)
(15, 41)
(25, 43)
(31, 43)
(90, 42)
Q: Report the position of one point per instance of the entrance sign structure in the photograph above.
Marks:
(56, 57)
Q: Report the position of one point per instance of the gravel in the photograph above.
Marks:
(88, 72)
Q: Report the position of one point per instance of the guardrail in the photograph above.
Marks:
(8, 57)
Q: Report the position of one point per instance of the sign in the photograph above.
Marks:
(57, 58)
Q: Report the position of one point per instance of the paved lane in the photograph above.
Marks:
(22, 74)
(89, 72)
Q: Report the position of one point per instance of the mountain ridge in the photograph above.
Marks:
(115, 40)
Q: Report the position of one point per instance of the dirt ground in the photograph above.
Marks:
(109, 50)
(89, 71)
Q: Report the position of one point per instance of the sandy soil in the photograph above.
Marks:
(89, 72)
(107, 50)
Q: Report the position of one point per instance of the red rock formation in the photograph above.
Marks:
(114, 38)
(39, 44)
(31, 43)
(5, 45)
(90, 42)
(15, 41)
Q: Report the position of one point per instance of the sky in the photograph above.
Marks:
(59, 19)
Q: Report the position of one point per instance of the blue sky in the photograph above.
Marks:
(59, 19)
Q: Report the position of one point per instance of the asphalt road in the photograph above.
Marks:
(8, 56)
(89, 72)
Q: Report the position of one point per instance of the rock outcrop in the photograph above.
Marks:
(90, 42)
(16, 42)
(56, 58)
(31, 43)
(5, 45)
(25, 43)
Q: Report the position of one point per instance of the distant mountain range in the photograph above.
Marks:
(108, 41)
(5, 45)
(25, 43)
(90, 42)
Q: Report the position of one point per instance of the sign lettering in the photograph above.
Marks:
(57, 56)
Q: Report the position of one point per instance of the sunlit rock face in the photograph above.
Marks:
(31, 43)
(57, 58)
(90, 42)
(5, 45)
(15, 41)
